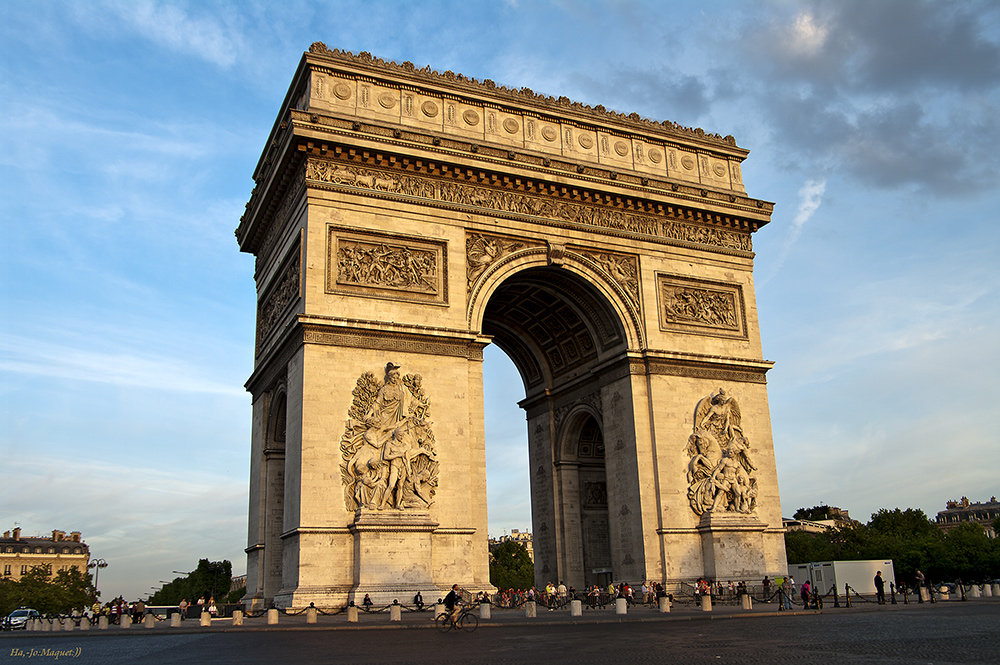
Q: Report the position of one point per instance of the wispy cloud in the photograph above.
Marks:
(210, 36)
(810, 198)
(33, 357)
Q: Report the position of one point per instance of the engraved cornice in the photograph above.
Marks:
(560, 106)
(741, 370)
(461, 347)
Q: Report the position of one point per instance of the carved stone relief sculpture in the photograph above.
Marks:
(388, 454)
(692, 305)
(720, 471)
(482, 251)
(386, 266)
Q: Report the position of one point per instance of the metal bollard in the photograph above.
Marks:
(238, 618)
(530, 610)
(175, 620)
(206, 619)
(311, 613)
(575, 608)
(485, 611)
(664, 603)
(272, 617)
(847, 595)
(352, 614)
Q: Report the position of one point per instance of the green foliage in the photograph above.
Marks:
(211, 579)
(910, 539)
(61, 593)
(813, 514)
(511, 567)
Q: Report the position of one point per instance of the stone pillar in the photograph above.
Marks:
(664, 603)
(484, 610)
(238, 618)
(311, 614)
(706, 603)
(621, 606)
(84, 623)
(530, 610)
(575, 608)
(102, 622)
(149, 620)
(175, 620)
(352, 614)
(272, 617)
(206, 619)
(747, 601)
(395, 613)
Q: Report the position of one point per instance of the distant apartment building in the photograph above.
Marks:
(958, 512)
(19, 554)
(523, 537)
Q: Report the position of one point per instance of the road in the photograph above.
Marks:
(938, 634)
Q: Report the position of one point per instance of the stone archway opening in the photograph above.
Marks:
(560, 331)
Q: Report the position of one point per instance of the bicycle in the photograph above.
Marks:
(465, 620)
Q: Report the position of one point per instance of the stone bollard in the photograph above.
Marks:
(102, 622)
(621, 606)
(125, 621)
(485, 610)
(575, 608)
(206, 619)
(706, 603)
(974, 591)
(238, 618)
(310, 614)
(272, 617)
(352, 614)
(175, 620)
(84, 623)
(664, 604)
(439, 609)
(747, 602)
(395, 613)
(149, 621)
(46, 626)
(530, 610)
(68, 623)
(924, 596)
(987, 591)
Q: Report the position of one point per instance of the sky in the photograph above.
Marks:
(129, 132)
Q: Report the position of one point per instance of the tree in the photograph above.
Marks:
(211, 579)
(511, 566)
(813, 514)
(61, 593)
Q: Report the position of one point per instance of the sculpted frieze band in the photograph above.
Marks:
(701, 307)
(326, 171)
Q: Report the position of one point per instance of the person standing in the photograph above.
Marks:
(879, 588)
(920, 586)
(182, 607)
(805, 595)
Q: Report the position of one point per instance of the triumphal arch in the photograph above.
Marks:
(404, 219)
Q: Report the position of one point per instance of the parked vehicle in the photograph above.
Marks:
(18, 619)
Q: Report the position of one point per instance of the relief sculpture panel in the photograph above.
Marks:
(701, 307)
(386, 266)
(720, 472)
(388, 452)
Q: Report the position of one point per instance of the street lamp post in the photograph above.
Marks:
(97, 564)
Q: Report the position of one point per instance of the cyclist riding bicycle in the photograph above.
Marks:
(453, 601)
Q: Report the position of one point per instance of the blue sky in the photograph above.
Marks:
(129, 132)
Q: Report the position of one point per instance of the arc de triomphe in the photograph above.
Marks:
(402, 220)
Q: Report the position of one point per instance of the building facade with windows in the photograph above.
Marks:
(19, 554)
(963, 510)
